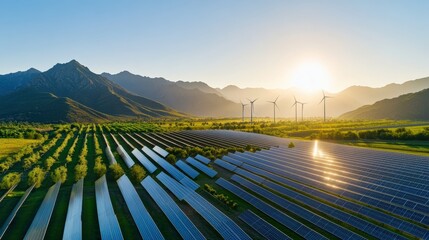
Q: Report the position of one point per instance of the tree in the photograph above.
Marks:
(59, 174)
(99, 167)
(137, 173)
(291, 145)
(10, 180)
(116, 170)
(171, 159)
(49, 162)
(36, 177)
(80, 171)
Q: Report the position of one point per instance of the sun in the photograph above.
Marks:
(311, 76)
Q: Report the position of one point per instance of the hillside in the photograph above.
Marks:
(412, 106)
(32, 106)
(183, 96)
(87, 94)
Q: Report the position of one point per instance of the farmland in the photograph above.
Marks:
(145, 180)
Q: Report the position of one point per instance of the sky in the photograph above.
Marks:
(248, 43)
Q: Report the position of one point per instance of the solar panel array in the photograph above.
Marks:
(262, 227)
(160, 151)
(142, 219)
(12, 215)
(144, 161)
(73, 225)
(270, 211)
(174, 214)
(354, 221)
(187, 169)
(38, 227)
(109, 225)
(178, 175)
(203, 168)
(227, 228)
(124, 155)
(202, 159)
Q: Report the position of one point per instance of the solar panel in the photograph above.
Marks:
(108, 223)
(203, 168)
(38, 227)
(261, 226)
(14, 211)
(232, 160)
(110, 156)
(141, 217)
(160, 151)
(144, 161)
(187, 169)
(225, 165)
(202, 159)
(174, 214)
(277, 215)
(227, 228)
(127, 159)
(73, 225)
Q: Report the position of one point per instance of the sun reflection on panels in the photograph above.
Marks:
(328, 163)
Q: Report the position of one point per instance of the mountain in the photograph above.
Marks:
(30, 105)
(77, 89)
(412, 106)
(12, 81)
(344, 101)
(193, 98)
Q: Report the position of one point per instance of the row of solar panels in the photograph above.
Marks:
(73, 225)
(369, 212)
(390, 179)
(312, 170)
(227, 228)
(38, 227)
(343, 190)
(15, 210)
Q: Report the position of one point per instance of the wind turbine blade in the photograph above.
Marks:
(277, 98)
(322, 100)
(277, 106)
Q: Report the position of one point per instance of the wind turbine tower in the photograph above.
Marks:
(324, 105)
(275, 106)
(296, 108)
(252, 108)
(302, 111)
(242, 111)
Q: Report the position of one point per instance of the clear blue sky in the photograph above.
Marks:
(246, 43)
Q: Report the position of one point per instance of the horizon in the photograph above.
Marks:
(287, 44)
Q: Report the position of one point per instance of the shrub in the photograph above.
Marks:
(137, 173)
(36, 177)
(59, 174)
(10, 180)
(291, 145)
(171, 159)
(80, 171)
(99, 167)
(116, 171)
(49, 162)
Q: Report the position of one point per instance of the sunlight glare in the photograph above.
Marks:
(311, 76)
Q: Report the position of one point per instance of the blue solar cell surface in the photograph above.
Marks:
(203, 168)
(187, 169)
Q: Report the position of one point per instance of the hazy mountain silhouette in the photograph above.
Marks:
(85, 90)
(12, 81)
(194, 98)
(412, 106)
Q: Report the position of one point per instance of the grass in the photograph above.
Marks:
(410, 147)
(12, 145)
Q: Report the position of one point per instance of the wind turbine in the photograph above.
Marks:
(296, 108)
(302, 111)
(324, 105)
(275, 106)
(252, 109)
(242, 110)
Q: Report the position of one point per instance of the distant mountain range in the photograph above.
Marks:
(70, 92)
(199, 99)
(412, 106)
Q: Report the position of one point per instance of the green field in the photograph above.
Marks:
(11, 145)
